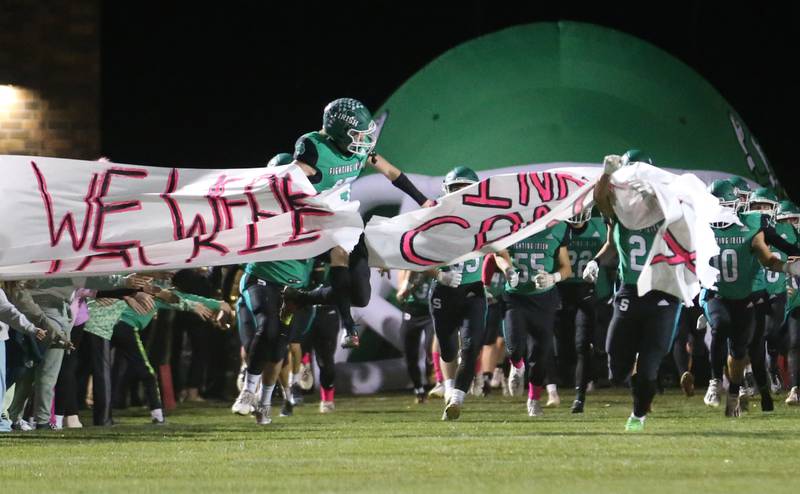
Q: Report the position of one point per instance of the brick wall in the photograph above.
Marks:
(51, 57)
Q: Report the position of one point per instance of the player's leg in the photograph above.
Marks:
(743, 326)
(719, 322)
(584, 331)
(436, 360)
(446, 310)
(489, 352)
(323, 337)
(793, 357)
(473, 334)
(775, 338)
(659, 314)
(681, 355)
(541, 313)
(412, 329)
(757, 352)
(514, 335)
(622, 344)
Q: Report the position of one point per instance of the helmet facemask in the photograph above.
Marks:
(362, 142)
(580, 218)
(456, 185)
(754, 206)
(732, 206)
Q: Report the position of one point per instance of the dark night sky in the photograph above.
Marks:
(232, 86)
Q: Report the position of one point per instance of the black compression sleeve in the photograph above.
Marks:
(775, 240)
(403, 183)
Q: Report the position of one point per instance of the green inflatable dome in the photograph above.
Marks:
(563, 92)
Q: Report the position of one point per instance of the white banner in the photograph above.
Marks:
(70, 217)
(484, 217)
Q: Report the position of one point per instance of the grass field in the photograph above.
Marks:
(387, 444)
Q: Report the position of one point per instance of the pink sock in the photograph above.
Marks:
(437, 367)
(326, 394)
(519, 364)
(477, 367)
(306, 358)
(534, 392)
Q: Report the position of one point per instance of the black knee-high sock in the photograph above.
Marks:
(340, 285)
(643, 392)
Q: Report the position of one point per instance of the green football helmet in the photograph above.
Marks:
(724, 191)
(459, 176)
(789, 212)
(280, 159)
(763, 201)
(634, 155)
(742, 189)
(349, 124)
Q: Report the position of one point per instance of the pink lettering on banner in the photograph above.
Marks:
(563, 183)
(543, 183)
(488, 224)
(67, 222)
(524, 189)
(105, 209)
(540, 211)
(407, 239)
(484, 198)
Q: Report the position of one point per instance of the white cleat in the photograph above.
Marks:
(711, 398)
(497, 378)
(437, 391)
(534, 408)
(516, 381)
(553, 400)
(326, 407)
(454, 403)
(306, 380)
(262, 414)
(477, 385)
(794, 398)
(245, 403)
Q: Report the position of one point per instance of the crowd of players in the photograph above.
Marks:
(558, 306)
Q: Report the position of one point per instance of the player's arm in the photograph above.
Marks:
(398, 179)
(768, 259)
(503, 261)
(603, 257)
(564, 266)
(772, 238)
(403, 277)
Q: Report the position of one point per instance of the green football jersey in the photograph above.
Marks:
(497, 285)
(584, 245)
(334, 168)
(633, 247)
(793, 302)
(288, 273)
(776, 282)
(738, 267)
(470, 270)
(420, 284)
(536, 253)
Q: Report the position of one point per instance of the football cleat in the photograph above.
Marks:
(437, 391)
(534, 408)
(296, 393)
(732, 405)
(553, 400)
(326, 407)
(634, 425)
(287, 409)
(262, 415)
(244, 403)
(577, 406)
(687, 383)
(516, 381)
(767, 404)
(794, 397)
(750, 387)
(306, 377)
(712, 393)
(497, 378)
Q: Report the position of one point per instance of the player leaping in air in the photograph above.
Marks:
(331, 158)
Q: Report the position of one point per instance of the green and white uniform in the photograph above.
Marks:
(536, 253)
(334, 168)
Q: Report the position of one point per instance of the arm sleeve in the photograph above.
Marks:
(775, 240)
(404, 183)
(13, 317)
(306, 151)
